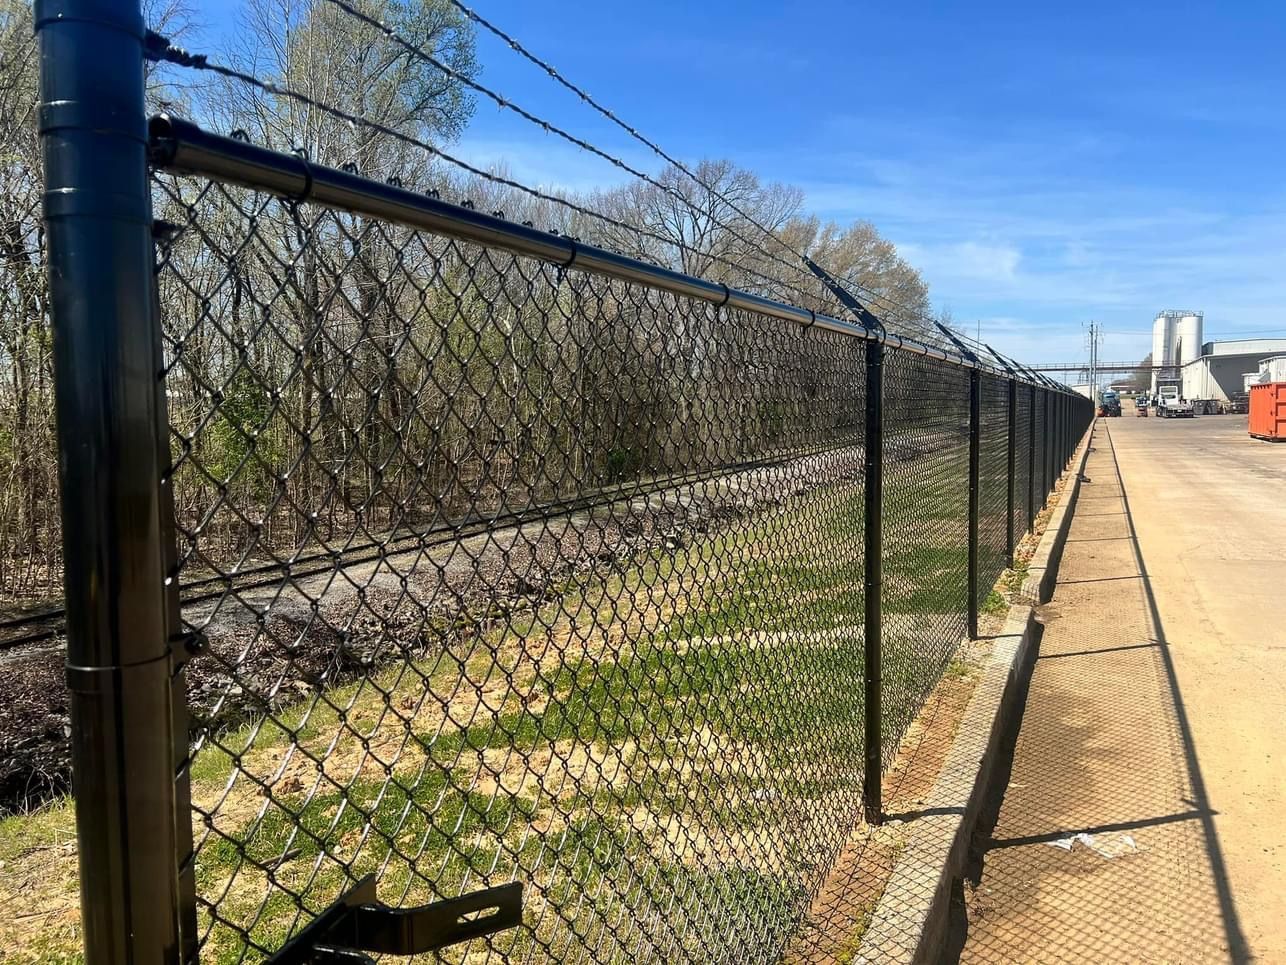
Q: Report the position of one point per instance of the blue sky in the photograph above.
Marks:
(1042, 164)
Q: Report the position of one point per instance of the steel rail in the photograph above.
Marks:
(404, 540)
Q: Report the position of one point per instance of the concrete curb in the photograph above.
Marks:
(910, 920)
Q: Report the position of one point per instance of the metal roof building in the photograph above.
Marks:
(1220, 372)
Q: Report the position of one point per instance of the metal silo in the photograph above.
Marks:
(1163, 332)
(1188, 344)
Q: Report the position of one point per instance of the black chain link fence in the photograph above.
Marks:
(1040, 450)
(994, 553)
(505, 571)
(925, 552)
(476, 555)
(1023, 426)
(524, 574)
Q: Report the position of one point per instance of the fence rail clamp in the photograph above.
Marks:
(358, 926)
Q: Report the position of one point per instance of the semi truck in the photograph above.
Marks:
(1109, 403)
(1170, 404)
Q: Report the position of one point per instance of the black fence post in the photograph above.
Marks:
(975, 442)
(1047, 471)
(1031, 457)
(874, 542)
(98, 217)
(1011, 460)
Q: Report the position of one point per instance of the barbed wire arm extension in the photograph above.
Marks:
(869, 321)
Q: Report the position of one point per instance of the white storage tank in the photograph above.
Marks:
(1163, 330)
(1187, 346)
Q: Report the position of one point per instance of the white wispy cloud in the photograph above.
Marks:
(1010, 232)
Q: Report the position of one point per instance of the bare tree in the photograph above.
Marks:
(892, 288)
(713, 226)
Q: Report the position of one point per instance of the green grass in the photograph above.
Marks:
(960, 670)
(995, 604)
(729, 693)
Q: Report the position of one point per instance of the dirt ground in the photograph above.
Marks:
(1142, 817)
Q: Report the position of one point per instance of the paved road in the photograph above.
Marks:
(1155, 721)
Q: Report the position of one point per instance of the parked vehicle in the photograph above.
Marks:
(1141, 406)
(1172, 405)
(1233, 406)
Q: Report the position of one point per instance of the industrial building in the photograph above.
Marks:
(1270, 370)
(1217, 371)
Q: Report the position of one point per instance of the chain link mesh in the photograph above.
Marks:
(993, 484)
(509, 572)
(1041, 451)
(506, 572)
(925, 553)
(1022, 448)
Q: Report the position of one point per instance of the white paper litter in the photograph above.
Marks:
(1104, 845)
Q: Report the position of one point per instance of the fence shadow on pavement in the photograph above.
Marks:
(1098, 842)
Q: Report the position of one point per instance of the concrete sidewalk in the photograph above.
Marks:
(1116, 840)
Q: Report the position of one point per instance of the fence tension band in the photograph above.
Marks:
(358, 926)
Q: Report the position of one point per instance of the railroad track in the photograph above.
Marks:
(47, 626)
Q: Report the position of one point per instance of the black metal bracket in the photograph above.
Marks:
(863, 314)
(358, 926)
(1004, 362)
(961, 347)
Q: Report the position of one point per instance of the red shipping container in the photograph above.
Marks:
(1268, 411)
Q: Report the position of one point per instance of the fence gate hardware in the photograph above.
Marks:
(358, 926)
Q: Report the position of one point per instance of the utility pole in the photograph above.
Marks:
(1095, 334)
(1094, 356)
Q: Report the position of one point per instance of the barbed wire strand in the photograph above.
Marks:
(548, 126)
(178, 56)
(159, 48)
(561, 79)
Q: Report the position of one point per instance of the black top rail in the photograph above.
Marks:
(182, 147)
